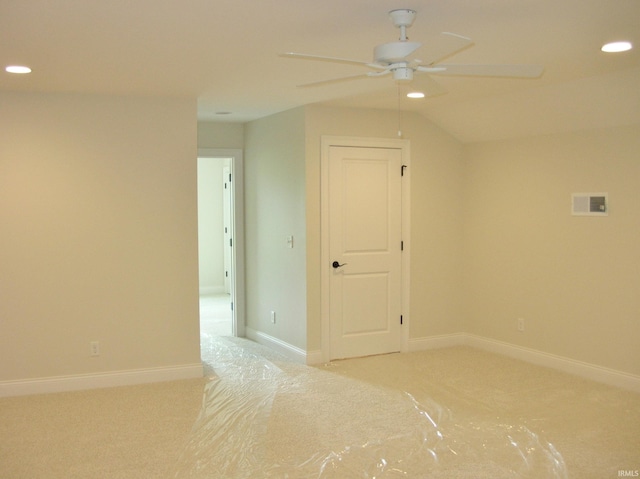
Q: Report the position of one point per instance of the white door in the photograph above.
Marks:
(365, 227)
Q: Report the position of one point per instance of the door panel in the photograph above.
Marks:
(369, 316)
(365, 205)
(365, 236)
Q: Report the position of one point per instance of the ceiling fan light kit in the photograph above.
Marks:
(402, 73)
(394, 58)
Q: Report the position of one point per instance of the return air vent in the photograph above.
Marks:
(589, 204)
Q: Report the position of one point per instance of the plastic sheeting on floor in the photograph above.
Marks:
(265, 417)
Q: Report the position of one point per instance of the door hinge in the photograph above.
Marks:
(402, 170)
(401, 245)
(229, 177)
(231, 242)
(400, 319)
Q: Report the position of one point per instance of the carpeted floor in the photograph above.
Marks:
(448, 413)
(130, 432)
(215, 315)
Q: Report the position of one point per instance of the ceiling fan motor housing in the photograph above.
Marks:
(394, 52)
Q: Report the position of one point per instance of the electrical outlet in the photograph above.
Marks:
(94, 348)
(521, 324)
(273, 317)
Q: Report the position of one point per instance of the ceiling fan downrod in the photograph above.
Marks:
(403, 18)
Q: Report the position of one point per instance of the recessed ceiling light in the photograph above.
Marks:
(615, 47)
(17, 69)
(415, 94)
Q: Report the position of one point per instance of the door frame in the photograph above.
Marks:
(325, 270)
(227, 215)
(237, 229)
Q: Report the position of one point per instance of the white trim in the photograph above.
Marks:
(325, 143)
(290, 351)
(238, 286)
(585, 370)
(590, 371)
(325, 284)
(100, 380)
(406, 241)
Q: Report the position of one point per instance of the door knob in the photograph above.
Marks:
(337, 265)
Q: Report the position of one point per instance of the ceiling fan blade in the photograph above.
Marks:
(304, 56)
(516, 71)
(334, 80)
(427, 85)
(447, 44)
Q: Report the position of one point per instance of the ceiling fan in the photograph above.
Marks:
(393, 59)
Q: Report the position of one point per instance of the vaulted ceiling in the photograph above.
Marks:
(225, 53)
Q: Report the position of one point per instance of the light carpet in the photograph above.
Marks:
(448, 413)
(130, 432)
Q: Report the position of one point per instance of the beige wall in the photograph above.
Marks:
(492, 238)
(98, 235)
(282, 189)
(274, 161)
(575, 280)
(215, 134)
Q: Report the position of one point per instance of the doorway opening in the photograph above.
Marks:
(220, 245)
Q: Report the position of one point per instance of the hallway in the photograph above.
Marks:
(215, 315)
(216, 319)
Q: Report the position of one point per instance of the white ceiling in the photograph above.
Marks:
(225, 53)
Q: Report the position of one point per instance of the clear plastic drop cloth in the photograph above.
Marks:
(265, 417)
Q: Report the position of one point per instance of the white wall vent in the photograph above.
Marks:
(589, 204)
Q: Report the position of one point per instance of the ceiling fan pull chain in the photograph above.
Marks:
(399, 113)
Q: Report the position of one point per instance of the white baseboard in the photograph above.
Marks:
(100, 380)
(579, 368)
(292, 352)
(593, 372)
(590, 371)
